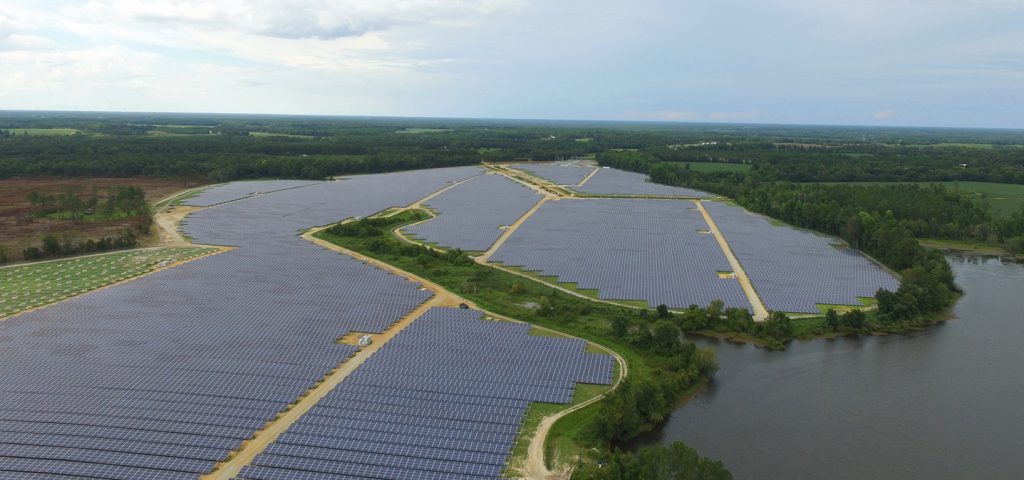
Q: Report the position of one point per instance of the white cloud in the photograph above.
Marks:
(13, 35)
(291, 19)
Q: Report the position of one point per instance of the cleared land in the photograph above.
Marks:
(713, 167)
(43, 132)
(1004, 198)
(21, 228)
(32, 285)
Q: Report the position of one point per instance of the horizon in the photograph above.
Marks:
(913, 63)
(667, 123)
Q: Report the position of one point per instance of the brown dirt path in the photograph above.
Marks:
(760, 312)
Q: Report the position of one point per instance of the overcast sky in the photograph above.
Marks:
(861, 62)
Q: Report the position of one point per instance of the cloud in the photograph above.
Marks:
(13, 36)
(883, 115)
(292, 19)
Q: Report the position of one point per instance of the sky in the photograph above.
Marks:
(957, 63)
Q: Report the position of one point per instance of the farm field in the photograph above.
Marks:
(712, 167)
(31, 285)
(43, 132)
(1004, 198)
(21, 229)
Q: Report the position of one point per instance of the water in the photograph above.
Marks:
(946, 403)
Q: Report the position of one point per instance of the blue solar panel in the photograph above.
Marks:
(470, 214)
(794, 270)
(454, 414)
(626, 249)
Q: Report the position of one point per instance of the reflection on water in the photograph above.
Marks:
(947, 402)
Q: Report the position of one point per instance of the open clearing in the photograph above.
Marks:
(1004, 198)
(713, 167)
(43, 132)
(21, 229)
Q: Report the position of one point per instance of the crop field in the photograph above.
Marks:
(43, 132)
(190, 362)
(610, 181)
(1004, 198)
(713, 167)
(794, 270)
(626, 249)
(31, 285)
(21, 228)
(471, 214)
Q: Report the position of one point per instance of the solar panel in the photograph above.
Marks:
(626, 249)
(403, 415)
(794, 270)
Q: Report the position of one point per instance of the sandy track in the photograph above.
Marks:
(760, 312)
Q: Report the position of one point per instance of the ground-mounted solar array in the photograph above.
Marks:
(442, 400)
(238, 190)
(610, 181)
(31, 285)
(471, 214)
(164, 376)
(560, 173)
(627, 249)
(794, 270)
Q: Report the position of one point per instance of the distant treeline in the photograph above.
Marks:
(55, 247)
(229, 147)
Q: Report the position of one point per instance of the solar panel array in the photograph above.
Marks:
(627, 249)
(793, 270)
(164, 376)
(442, 400)
(238, 190)
(470, 214)
(559, 173)
(610, 181)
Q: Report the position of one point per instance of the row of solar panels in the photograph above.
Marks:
(448, 418)
(165, 376)
(794, 270)
(470, 214)
(627, 249)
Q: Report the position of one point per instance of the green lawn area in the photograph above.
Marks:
(1004, 198)
(424, 130)
(43, 132)
(36, 284)
(271, 134)
(712, 167)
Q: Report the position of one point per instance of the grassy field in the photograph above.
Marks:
(711, 167)
(36, 284)
(424, 130)
(43, 132)
(1005, 198)
(285, 135)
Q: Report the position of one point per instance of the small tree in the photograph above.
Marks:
(831, 320)
(663, 311)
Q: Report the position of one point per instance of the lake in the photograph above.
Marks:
(944, 403)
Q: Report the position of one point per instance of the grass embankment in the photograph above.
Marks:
(37, 284)
(657, 361)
